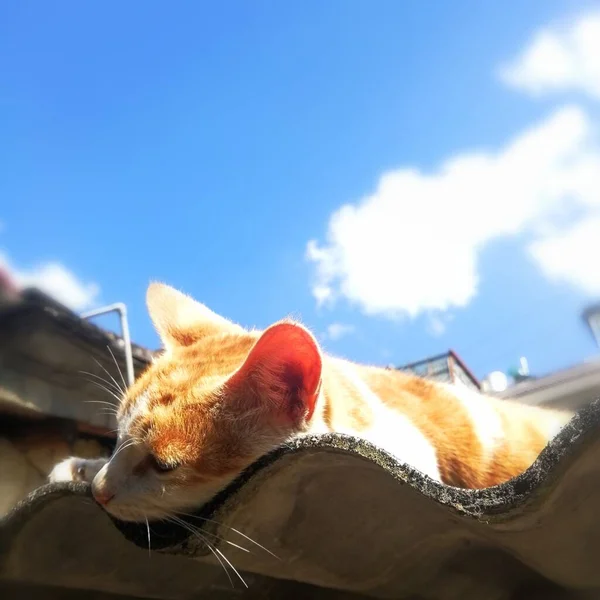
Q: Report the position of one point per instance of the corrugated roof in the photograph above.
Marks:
(345, 520)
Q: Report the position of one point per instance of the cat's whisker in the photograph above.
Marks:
(123, 446)
(108, 373)
(105, 402)
(183, 524)
(200, 534)
(105, 408)
(103, 380)
(228, 542)
(107, 390)
(218, 537)
(234, 569)
(118, 368)
(105, 414)
(149, 547)
(232, 529)
(107, 411)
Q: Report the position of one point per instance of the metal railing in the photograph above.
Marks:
(121, 309)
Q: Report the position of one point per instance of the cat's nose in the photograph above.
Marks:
(102, 497)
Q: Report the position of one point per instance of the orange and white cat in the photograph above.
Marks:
(220, 396)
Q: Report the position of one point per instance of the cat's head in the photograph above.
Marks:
(216, 399)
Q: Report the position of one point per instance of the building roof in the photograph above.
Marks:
(51, 360)
(449, 355)
(33, 299)
(344, 519)
(579, 384)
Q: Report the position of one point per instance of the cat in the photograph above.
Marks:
(220, 396)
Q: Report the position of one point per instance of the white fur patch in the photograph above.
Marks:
(397, 434)
(486, 421)
(393, 431)
(76, 469)
(554, 428)
(63, 471)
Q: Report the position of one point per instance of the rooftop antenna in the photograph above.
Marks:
(520, 373)
(523, 367)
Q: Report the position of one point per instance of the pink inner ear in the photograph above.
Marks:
(285, 367)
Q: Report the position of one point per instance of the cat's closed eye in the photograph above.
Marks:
(160, 466)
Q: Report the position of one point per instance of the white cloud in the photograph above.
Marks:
(56, 280)
(437, 324)
(571, 256)
(412, 245)
(335, 331)
(565, 57)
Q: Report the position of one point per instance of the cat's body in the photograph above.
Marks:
(449, 432)
(221, 396)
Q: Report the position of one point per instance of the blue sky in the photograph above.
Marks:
(213, 146)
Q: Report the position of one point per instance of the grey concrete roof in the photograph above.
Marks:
(51, 360)
(345, 520)
(34, 302)
(578, 384)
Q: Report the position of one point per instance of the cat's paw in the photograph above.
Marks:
(76, 469)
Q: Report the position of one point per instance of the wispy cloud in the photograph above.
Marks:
(336, 331)
(563, 57)
(571, 255)
(412, 245)
(56, 280)
(437, 324)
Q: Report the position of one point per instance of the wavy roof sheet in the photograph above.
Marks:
(345, 520)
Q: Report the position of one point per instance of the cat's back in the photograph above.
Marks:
(479, 440)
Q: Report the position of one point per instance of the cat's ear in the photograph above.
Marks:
(180, 320)
(282, 373)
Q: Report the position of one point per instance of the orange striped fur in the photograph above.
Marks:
(221, 396)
